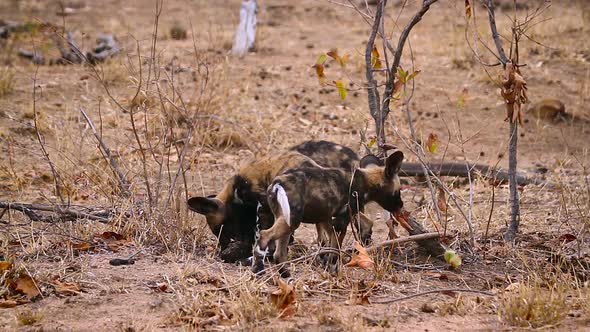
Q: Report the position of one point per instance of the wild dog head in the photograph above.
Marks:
(378, 181)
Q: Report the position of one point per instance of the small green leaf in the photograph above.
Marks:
(414, 74)
(372, 142)
(321, 59)
(403, 75)
(453, 258)
(341, 88)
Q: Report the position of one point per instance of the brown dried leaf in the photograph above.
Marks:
(283, 296)
(362, 259)
(402, 217)
(342, 60)
(66, 288)
(8, 304)
(467, 9)
(5, 266)
(114, 241)
(111, 236)
(82, 246)
(375, 60)
(319, 70)
(25, 284)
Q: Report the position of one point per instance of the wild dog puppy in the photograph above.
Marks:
(232, 214)
(325, 197)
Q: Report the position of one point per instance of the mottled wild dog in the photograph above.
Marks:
(232, 213)
(326, 197)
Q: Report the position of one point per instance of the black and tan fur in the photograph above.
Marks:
(232, 213)
(326, 197)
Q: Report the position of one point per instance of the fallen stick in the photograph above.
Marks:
(418, 237)
(460, 169)
(59, 213)
(446, 290)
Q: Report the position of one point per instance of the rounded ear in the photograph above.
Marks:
(370, 159)
(204, 205)
(393, 164)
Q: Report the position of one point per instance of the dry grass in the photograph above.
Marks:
(532, 304)
(28, 317)
(7, 79)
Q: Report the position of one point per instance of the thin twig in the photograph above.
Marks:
(445, 290)
(388, 243)
(123, 183)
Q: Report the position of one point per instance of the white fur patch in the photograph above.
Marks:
(283, 201)
(260, 252)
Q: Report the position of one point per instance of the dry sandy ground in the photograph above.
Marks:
(271, 99)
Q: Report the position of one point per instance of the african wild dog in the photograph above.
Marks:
(323, 196)
(232, 213)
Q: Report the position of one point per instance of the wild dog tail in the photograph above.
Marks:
(283, 200)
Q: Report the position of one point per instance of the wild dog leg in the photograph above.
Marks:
(365, 228)
(331, 241)
(278, 230)
(282, 252)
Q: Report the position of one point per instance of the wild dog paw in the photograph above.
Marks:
(258, 267)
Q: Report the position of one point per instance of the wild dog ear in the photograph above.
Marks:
(204, 205)
(393, 164)
(369, 160)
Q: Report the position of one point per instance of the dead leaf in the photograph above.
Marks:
(441, 200)
(467, 9)
(111, 236)
(82, 246)
(114, 241)
(375, 60)
(8, 304)
(66, 288)
(283, 296)
(342, 60)
(402, 217)
(563, 238)
(514, 92)
(25, 284)
(5, 266)
(362, 259)
(432, 142)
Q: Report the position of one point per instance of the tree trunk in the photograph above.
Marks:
(514, 200)
(246, 32)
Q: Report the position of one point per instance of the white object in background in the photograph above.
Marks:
(246, 32)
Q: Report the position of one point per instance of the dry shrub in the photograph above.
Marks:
(28, 317)
(534, 304)
(244, 308)
(113, 71)
(6, 81)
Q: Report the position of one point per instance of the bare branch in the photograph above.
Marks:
(123, 183)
